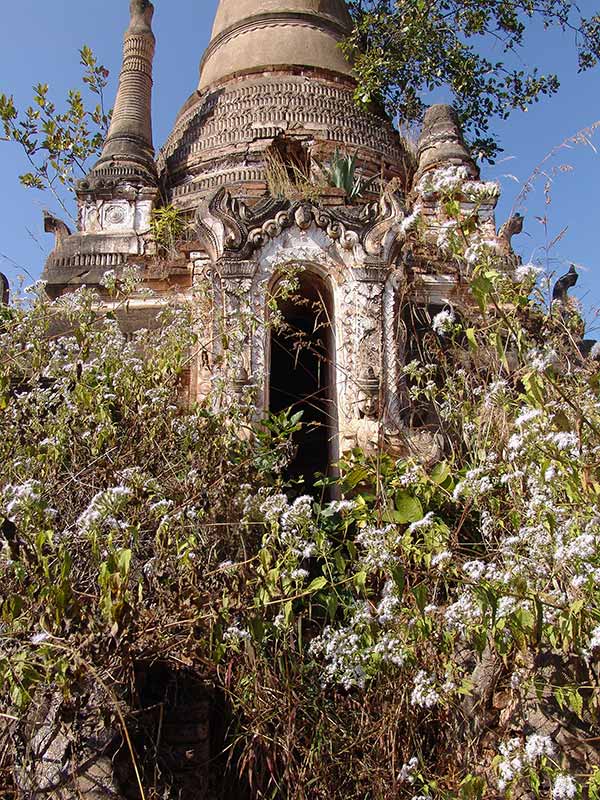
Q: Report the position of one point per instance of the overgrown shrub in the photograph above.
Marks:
(434, 632)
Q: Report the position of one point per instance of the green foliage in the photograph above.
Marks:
(167, 225)
(342, 174)
(58, 144)
(403, 51)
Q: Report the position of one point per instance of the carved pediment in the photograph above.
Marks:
(227, 226)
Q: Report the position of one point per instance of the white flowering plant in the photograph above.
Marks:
(417, 628)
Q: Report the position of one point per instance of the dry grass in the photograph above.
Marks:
(289, 181)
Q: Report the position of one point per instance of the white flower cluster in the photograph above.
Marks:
(457, 180)
(379, 545)
(447, 236)
(517, 756)
(351, 655)
(407, 771)
(479, 251)
(299, 516)
(443, 322)
(388, 605)
(477, 482)
(512, 763)
(344, 651)
(411, 222)
(271, 507)
(527, 272)
(17, 500)
(424, 693)
(595, 351)
(341, 506)
(537, 746)
(426, 522)
(565, 788)
(109, 280)
(234, 635)
(540, 360)
(104, 508)
(464, 614)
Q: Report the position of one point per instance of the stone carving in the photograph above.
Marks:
(56, 226)
(368, 394)
(560, 292)
(384, 230)
(225, 224)
(511, 227)
(115, 215)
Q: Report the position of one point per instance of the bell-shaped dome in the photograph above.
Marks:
(249, 35)
(273, 79)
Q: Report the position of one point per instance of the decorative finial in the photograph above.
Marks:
(141, 12)
(512, 227)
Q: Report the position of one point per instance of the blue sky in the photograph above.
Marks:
(43, 45)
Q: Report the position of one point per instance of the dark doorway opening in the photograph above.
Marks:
(302, 376)
(182, 732)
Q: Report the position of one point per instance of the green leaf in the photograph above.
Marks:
(408, 508)
(318, 584)
(481, 288)
(594, 784)
(441, 472)
(470, 334)
(575, 701)
(360, 580)
(355, 476)
(124, 562)
(399, 579)
(332, 607)
(420, 595)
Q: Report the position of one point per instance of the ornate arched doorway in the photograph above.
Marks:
(302, 374)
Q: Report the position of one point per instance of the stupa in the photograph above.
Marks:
(248, 167)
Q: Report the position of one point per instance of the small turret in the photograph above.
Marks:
(128, 151)
(441, 143)
(117, 197)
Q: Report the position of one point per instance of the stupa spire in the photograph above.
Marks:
(128, 151)
(250, 35)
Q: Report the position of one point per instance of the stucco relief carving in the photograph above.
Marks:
(117, 216)
(225, 224)
(89, 217)
(349, 246)
(236, 114)
(361, 325)
(238, 325)
(114, 216)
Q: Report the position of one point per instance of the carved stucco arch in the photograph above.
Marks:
(251, 247)
(312, 251)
